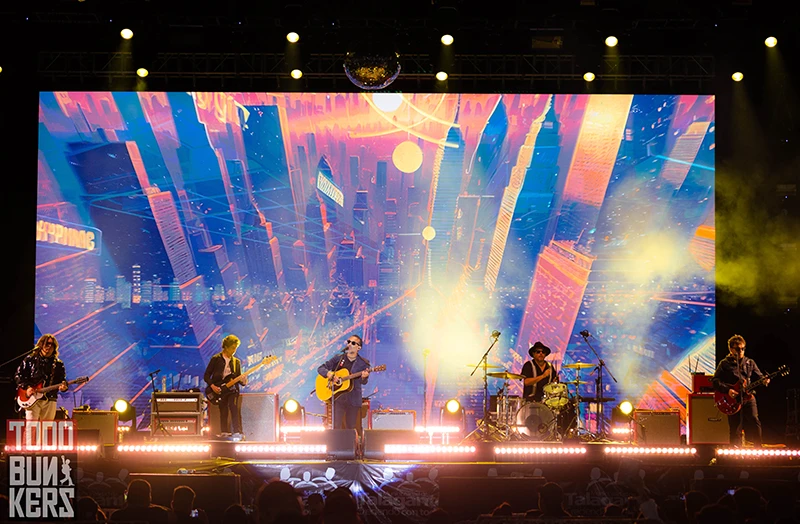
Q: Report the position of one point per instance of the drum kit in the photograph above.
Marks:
(555, 417)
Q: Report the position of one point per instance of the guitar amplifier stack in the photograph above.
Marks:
(180, 412)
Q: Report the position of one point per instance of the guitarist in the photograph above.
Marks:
(224, 365)
(733, 369)
(347, 405)
(43, 367)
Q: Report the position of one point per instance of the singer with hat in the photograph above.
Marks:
(537, 372)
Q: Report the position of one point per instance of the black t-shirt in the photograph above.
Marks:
(536, 391)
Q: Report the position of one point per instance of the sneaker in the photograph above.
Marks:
(224, 434)
(237, 437)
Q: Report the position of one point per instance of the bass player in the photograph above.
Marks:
(347, 405)
(733, 369)
(224, 365)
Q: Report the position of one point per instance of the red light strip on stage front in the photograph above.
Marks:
(282, 449)
(164, 448)
(422, 449)
(636, 450)
(757, 453)
(540, 450)
(69, 449)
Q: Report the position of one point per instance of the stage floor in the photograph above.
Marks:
(405, 490)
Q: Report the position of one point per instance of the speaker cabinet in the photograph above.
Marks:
(260, 416)
(213, 493)
(376, 439)
(103, 421)
(657, 428)
(394, 419)
(707, 425)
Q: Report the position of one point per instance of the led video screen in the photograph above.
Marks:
(421, 222)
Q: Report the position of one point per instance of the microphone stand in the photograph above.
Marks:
(601, 427)
(484, 422)
(425, 353)
(159, 426)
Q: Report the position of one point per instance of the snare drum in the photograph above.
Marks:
(555, 395)
(507, 407)
(535, 421)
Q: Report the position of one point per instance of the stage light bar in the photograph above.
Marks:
(164, 448)
(540, 450)
(281, 449)
(637, 450)
(82, 448)
(425, 449)
(302, 429)
(757, 453)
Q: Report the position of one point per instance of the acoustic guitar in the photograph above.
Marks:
(227, 383)
(731, 405)
(327, 388)
(26, 402)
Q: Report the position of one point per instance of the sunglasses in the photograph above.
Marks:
(538, 351)
(353, 343)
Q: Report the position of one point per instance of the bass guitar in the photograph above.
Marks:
(731, 405)
(227, 383)
(340, 382)
(25, 401)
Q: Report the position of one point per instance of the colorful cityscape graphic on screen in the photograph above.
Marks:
(168, 220)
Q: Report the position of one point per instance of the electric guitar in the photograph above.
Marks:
(26, 401)
(327, 388)
(227, 383)
(731, 405)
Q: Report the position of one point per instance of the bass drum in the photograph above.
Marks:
(535, 421)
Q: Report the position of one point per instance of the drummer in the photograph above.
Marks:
(537, 372)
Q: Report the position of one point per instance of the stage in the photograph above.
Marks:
(466, 480)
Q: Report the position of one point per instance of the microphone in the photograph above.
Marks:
(156, 372)
(585, 333)
(495, 334)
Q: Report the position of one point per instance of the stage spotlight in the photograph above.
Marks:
(126, 33)
(612, 41)
(441, 76)
(292, 413)
(296, 74)
(1, 69)
(771, 41)
(737, 76)
(428, 233)
(447, 39)
(142, 72)
(292, 37)
(588, 76)
(125, 410)
(453, 414)
(626, 407)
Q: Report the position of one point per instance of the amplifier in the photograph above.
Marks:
(706, 424)
(181, 402)
(394, 419)
(178, 424)
(103, 421)
(701, 383)
(657, 428)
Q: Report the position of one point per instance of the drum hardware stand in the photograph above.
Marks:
(485, 430)
(601, 427)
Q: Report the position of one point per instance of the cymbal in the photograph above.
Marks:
(504, 375)
(578, 365)
(488, 366)
(576, 382)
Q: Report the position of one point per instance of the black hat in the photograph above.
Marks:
(539, 345)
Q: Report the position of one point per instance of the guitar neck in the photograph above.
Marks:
(761, 381)
(354, 375)
(55, 386)
(233, 381)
